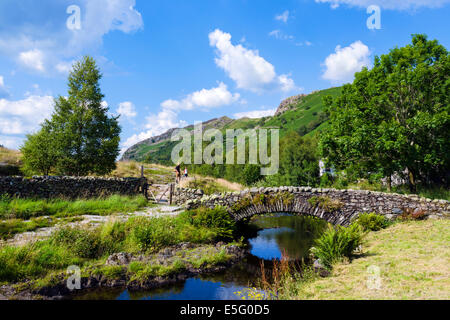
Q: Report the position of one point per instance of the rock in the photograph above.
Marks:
(397, 211)
(118, 259)
(320, 268)
(390, 217)
(220, 244)
(166, 253)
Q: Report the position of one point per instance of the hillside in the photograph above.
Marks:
(301, 113)
(10, 162)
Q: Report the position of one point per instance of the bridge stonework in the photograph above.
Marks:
(345, 206)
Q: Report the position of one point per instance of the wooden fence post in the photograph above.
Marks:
(171, 194)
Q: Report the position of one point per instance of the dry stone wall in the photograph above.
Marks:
(69, 187)
(245, 204)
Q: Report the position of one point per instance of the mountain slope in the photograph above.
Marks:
(302, 113)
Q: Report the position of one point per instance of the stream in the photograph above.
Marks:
(277, 234)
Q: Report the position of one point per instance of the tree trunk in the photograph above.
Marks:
(389, 183)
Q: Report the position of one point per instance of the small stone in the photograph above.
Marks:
(118, 259)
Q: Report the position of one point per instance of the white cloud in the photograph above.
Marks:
(24, 116)
(65, 67)
(388, 4)
(156, 125)
(255, 114)
(205, 98)
(102, 17)
(3, 90)
(33, 59)
(246, 67)
(342, 65)
(45, 44)
(283, 17)
(278, 34)
(127, 109)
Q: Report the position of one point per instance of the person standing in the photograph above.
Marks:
(178, 173)
(185, 172)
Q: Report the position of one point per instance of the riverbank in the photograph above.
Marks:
(133, 272)
(408, 260)
(150, 247)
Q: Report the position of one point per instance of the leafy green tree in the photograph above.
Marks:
(87, 139)
(299, 162)
(251, 174)
(39, 154)
(395, 116)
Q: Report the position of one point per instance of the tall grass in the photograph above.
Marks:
(210, 185)
(84, 246)
(14, 208)
(9, 156)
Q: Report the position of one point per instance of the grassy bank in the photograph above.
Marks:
(8, 156)
(12, 208)
(412, 258)
(89, 248)
(210, 185)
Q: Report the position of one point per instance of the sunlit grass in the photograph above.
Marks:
(13, 208)
(412, 258)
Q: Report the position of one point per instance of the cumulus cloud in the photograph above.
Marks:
(33, 59)
(255, 114)
(246, 67)
(24, 116)
(388, 4)
(283, 17)
(156, 124)
(342, 65)
(42, 42)
(127, 109)
(205, 98)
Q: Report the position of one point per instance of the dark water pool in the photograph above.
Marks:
(280, 234)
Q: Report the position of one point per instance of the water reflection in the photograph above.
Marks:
(293, 235)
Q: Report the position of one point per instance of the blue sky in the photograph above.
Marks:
(171, 63)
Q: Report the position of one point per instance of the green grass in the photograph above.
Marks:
(9, 228)
(304, 113)
(13, 208)
(88, 247)
(412, 260)
(11, 157)
(208, 185)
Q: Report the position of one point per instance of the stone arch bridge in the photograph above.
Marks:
(338, 207)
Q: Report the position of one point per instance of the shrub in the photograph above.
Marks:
(325, 203)
(151, 234)
(217, 219)
(337, 243)
(251, 174)
(372, 222)
(83, 243)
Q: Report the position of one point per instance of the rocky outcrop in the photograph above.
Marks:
(344, 205)
(69, 187)
(289, 104)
